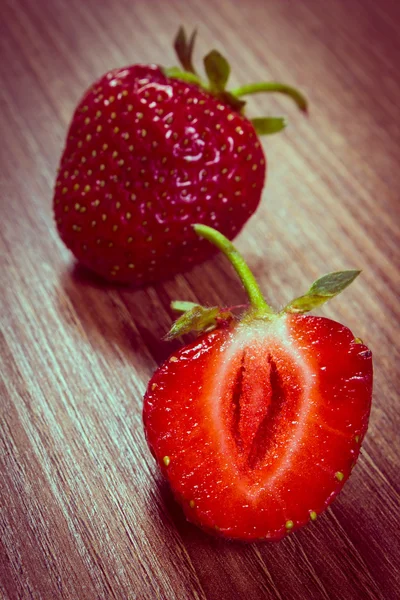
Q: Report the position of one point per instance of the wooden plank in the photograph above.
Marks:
(84, 512)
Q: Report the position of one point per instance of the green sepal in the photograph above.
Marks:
(184, 49)
(323, 289)
(177, 73)
(217, 70)
(224, 96)
(268, 125)
(183, 305)
(197, 318)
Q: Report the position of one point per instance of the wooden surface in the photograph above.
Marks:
(84, 512)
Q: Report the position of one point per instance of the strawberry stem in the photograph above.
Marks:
(273, 86)
(247, 278)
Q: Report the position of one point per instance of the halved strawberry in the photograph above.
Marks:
(258, 423)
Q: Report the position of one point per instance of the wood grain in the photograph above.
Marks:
(84, 513)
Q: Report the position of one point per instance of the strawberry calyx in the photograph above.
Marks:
(197, 318)
(217, 70)
(201, 319)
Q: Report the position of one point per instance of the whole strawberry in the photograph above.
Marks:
(258, 423)
(150, 152)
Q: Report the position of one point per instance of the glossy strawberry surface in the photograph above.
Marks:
(258, 425)
(147, 156)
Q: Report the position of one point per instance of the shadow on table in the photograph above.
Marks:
(116, 316)
(236, 567)
(136, 320)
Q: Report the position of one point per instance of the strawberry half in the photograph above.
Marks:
(258, 423)
(150, 152)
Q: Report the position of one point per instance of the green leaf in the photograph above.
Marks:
(217, 69)
(184, 49)
(198, 318)
(322, 290)
(268, 125)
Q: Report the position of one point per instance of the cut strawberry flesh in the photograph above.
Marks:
(262, 423)
(256, 401)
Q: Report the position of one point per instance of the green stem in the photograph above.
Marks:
(272, 86)
(237, 261)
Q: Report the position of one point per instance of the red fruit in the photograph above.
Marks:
(148, 154)
(258, 423)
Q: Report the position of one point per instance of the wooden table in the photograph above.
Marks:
(84, 512)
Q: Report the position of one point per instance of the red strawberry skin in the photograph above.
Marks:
(258, 426)
(146, 157)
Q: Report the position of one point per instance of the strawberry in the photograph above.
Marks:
(151, 151)
(258, 423)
